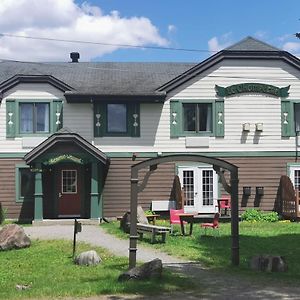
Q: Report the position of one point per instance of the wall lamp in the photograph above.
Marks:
(246, 127)
(260, 191)
(259, 126)
(246, 191)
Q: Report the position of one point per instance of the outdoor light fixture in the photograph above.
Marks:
(259, 126)
(246, 127)
(259, 190)
(247, 191)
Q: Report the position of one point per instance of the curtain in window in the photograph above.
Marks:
(42, 117)
(209, 118)
(26, 113)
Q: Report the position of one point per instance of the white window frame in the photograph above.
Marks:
(62, 181)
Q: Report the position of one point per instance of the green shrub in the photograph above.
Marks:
(256, 215)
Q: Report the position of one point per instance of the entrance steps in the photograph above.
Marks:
(48, 222)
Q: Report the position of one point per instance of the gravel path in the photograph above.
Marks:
(211, 285)
(96, 236)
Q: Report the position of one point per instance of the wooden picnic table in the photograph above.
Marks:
(186, 217)
(152, 218)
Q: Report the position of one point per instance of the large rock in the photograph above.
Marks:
(151, 269)
(12, 236)
(88, 258)
(268, 263)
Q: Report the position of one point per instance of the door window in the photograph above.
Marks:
(207, 187)
(69, 181)
(188, 185)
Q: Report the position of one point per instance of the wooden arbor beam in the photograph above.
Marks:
(217, 165)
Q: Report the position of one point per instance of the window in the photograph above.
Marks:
(197, 117)
(24, 184)
(69, 181)
(117, 119)
(192, 117)
(34, 117)
(297, 116)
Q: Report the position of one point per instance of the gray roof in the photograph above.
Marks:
(124, 78)
(251, 44)
(101, 77)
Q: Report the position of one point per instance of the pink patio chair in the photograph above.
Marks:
(174, 217)
(214, 225)
(225, 205)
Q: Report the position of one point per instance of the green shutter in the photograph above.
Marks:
(11, 118)
(219, 118)
(133, 119)
(175, 118)
(99, 119)
(57, 115)
(287, 123)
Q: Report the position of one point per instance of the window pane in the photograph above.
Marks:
(117, 118)
(205, 117)
(42, 117)
(189, 116)
(27, 183)
(297, 117)
(69, 181)
(26, 117)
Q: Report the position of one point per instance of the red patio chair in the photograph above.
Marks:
(174, 218)
(214, 225)
(224, 205)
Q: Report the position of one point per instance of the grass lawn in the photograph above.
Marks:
(278, 238)
(47, 266)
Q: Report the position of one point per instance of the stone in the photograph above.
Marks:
(141, 217)
(88, 258)
(151, 269)
(268, 263)
(12, 236)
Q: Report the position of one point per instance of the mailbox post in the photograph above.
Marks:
(77, 228)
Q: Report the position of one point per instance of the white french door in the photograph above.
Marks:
(200, 186)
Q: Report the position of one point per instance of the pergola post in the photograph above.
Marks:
(235, 256)
(133, 219)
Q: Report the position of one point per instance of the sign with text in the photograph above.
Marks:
(252, 88)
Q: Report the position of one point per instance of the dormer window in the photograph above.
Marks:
(34, 118)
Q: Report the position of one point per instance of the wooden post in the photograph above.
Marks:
(133, 219)
(235, 255)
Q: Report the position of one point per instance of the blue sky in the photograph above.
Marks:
(192, 24)
(198, 21)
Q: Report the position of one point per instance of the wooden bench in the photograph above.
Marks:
(154, 230)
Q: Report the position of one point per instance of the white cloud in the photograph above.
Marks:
(292, 47)
(171, 28)
(216, 44)
(64, 19)
(260, 34)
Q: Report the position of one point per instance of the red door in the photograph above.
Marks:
(69, 204)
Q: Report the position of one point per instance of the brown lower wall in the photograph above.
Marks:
(254, 171)
(8, 193)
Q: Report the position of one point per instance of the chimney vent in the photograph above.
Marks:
(74, 56)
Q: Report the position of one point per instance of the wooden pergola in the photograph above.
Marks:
(218, 165)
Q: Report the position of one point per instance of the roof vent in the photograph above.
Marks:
(74, 56)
